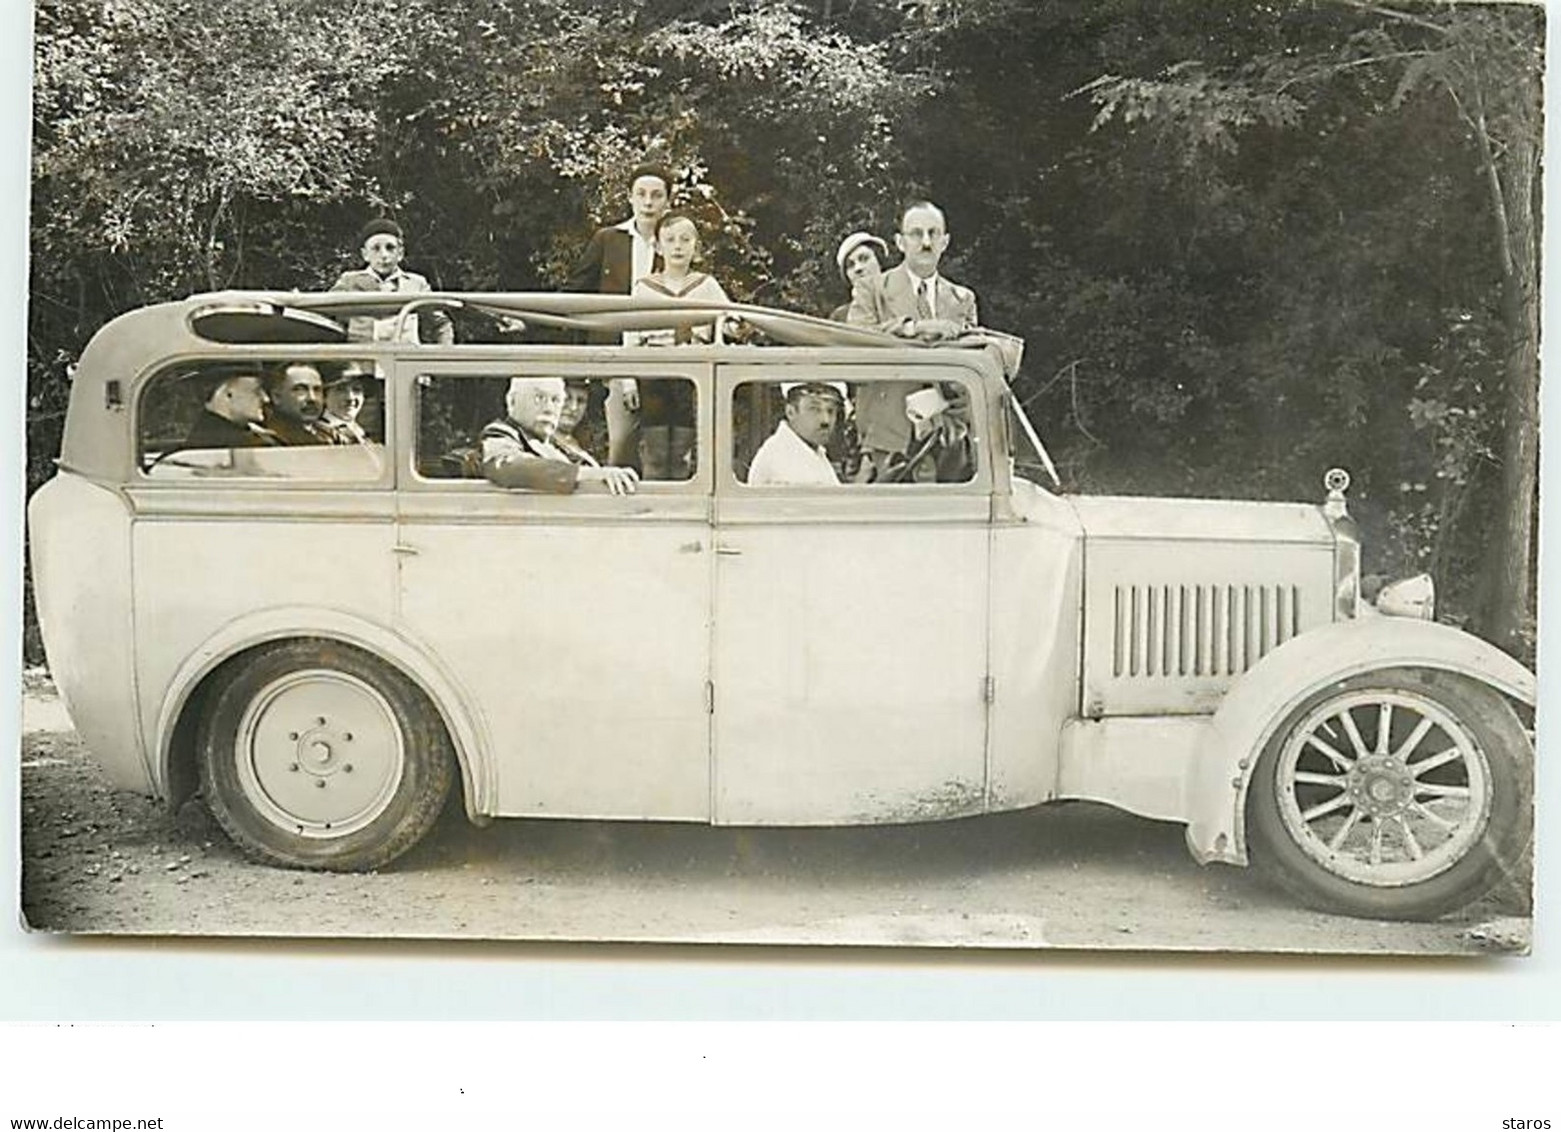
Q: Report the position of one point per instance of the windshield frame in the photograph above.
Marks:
(1027, 436)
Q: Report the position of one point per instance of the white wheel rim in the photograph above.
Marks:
(1383, 787)
(319, 753)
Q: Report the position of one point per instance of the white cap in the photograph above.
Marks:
(837, 386)
(854, 241)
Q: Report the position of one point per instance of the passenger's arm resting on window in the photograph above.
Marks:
(508, 465)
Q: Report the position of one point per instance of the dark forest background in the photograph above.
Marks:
(1244, 242)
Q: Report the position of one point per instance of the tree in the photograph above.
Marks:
(1486, 61)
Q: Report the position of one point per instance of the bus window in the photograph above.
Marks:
(286, 419)
(817, 433)
(453, 410)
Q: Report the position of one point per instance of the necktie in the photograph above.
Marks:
(923, 305)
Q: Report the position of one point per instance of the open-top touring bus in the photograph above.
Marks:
(325, 640)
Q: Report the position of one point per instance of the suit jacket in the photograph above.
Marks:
(513, 459)
(606, 266)
(297, 434)
(213, 431)
(361, 328)
(887, 301)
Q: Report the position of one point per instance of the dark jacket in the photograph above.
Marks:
(213, 431)
(295, 433)
(512, 458)
(606, 267)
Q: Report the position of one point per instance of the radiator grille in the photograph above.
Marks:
(1213, 630)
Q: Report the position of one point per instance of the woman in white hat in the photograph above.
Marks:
(861, 256)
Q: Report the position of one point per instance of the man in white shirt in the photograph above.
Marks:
(794, 454)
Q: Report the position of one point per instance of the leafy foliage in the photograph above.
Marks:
(1243, 241)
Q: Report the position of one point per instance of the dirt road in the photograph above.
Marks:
(1064, 876)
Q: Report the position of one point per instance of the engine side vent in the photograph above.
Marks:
(1199, 630)
(1171, 624)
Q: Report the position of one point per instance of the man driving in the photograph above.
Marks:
(794, 454)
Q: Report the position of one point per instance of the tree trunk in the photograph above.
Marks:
(1509, 580)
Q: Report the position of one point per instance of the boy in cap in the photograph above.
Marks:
(382, 246)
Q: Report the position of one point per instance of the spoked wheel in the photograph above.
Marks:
(316, 755)
(1398, 794)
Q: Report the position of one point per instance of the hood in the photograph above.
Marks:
(1182, 596)
(1106, 517)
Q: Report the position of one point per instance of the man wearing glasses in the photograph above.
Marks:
(910, 300)
(518, 450)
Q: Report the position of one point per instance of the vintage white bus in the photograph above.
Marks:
(324, 641)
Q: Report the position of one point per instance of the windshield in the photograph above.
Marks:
(1030, 458)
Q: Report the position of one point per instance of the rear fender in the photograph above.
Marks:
(465, 725)
(1259, 702)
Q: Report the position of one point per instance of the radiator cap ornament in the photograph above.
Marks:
(1337, 481)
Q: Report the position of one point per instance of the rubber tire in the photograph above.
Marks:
(1498, 854)
(412, 810)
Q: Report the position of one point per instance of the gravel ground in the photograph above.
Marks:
(1079, 876)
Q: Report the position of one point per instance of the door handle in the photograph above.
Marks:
(402, 548)
(691, 547)
(733, 550)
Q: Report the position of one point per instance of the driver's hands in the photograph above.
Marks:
(619, 481)
(951, 430)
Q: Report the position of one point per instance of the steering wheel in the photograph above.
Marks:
(899, 473)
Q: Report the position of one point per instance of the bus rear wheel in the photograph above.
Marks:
(316, 755)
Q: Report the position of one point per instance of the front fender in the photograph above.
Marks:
(1277, 684)
(465, 725)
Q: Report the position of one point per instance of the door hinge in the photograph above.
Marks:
(988, 689)
(709, 697)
